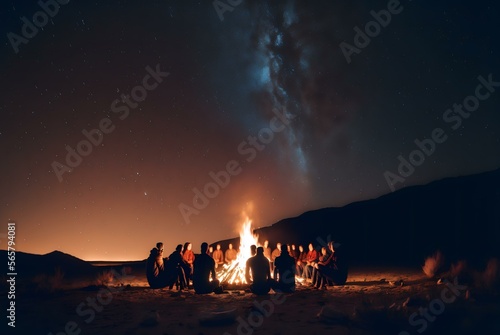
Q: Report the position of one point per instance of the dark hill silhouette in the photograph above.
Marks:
(28, 265)
(459, 216)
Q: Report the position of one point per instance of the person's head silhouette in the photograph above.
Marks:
(253, 249)
(284, 249)
(260, 251)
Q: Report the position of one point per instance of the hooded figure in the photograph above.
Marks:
(156, 274)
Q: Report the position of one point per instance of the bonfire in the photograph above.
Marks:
(234, 273)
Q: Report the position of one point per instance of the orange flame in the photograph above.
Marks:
(234, 273)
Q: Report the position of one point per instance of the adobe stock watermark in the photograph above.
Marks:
(30, 29)
(421, 319)
(222, 6)
(249, 150)
(94, 137)
(371, 29)
(94, 304)
(11, 273)
(453, 117)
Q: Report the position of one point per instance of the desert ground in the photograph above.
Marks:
(373, 301)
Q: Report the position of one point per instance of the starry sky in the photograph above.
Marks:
(207, 109)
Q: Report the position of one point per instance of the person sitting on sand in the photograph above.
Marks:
(293, 252)
(179, 265)
(267, 253)
(253, 252)
(334, 268)
(153, 265)
(289, 250)
(284, 270)
(317, 279)
(188, 256)
(301, 261)
(311, 258)
(210, 251)
(204, 277)
(231, 254)
(267, 250)
(218, 257)
(258, 267)
(155, 268)
(276, 252)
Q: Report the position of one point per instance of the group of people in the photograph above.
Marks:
(323, 268)
(181, 268)
(327, 267)
(265, 269)
(258, 272)
(222, 258)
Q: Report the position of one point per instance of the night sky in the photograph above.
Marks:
(298, 113)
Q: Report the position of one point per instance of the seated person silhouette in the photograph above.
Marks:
(318, 280)
(267, 250)
(311, 258)
(230, 254)
(335, 268)
(284, 270)
(203, 271)
(258, 267)
(156, 273)
(218, 257)
(188, 256)
(300, 261)
(276, 252)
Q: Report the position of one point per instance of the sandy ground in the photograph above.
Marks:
(374, 301)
